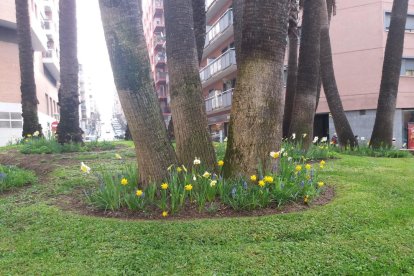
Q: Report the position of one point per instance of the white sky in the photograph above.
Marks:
(93, 54)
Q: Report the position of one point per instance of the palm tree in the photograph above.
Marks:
(199, 18)
(28, 84)
(124, 34)
(257, 109)
(293, 34)
(387, 100)
(187, 104)
(308, 73)
(342, 126)
(68, 128)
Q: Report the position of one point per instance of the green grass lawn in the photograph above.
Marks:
(368, 228)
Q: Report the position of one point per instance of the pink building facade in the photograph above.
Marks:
(45, 41)
(154, 30)
(358, 33)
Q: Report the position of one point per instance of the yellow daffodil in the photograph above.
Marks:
(253, 178)
(213, 183)
(308, 166)
(306, 199)
(36, 133)
(275, 154)
(261, 183)
(220, 163)
(321, 166)
(298, 168)
(184, 168)
(117, 156)
(164, 186)
(206, 175)
(197, 161)
(139, 193)
(268, 179)
(188, 187)
(179, 169)
(322, 163)
(124, 181)
(165, 214)
(85, 168)
(29, 135)
(320, 184)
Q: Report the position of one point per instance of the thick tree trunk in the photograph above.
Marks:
(387, 100)
(308, 73)
(199, 18)
(257, 109)
(187, 104)
(28, 84)
(68, 129)
(124, 34)
(293, 34)
(238, 8)
(343, 129)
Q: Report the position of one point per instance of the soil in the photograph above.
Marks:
(75, 202)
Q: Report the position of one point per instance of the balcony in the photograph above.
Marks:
(219, 68)
(158, 8)
(160, 78)
(213, 7)
(159, 42)
(51, 61)
(220, 101)
(158, 26)
(160, 60)
(219, 32)
(49, 27)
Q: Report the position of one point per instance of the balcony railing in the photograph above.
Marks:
(158, 26)
(219, 64)
(209, 3)
(220, 100)
(158, 8)
(161, 76)
(51, 53)
(225, 21)
(160, 58)
(158, 41)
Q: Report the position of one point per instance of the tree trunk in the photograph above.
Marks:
(68, 129)
(343, 129)
(293, 34)
(28, 84)
(257, 109)
(124, 34)
(187, 104)
(238, 8)
(199, 19)
(308, 73)
(387, 100)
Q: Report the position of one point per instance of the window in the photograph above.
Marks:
(47, 104)
(11, 120)
(409, 25)
(407, 67)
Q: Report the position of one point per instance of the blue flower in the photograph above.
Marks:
(214, 176)
(302, 184)
(3, 176)
(245, 185)
(233, 192)
(282, 185)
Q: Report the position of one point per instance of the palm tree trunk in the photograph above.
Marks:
(68, 129)
(124, 34)
(187, 104)
(257, 109)
(199, 18)
(308, 73)
(387, 100)
(293, 34)
(28, 84)
(343, 128)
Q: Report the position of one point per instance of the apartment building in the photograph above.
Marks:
(358, 33)
(88, 113)
(154, 31)
(45, 38)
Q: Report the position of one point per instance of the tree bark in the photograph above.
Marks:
(257, 109)
(199, 19)
(343, 129)
(187, 104)
(124, 34)
(387, 100)
(293, 35)
(68, 129)
(308, 74)
(28, 84)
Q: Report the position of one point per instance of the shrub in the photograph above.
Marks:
(365, 150)
(13, 177)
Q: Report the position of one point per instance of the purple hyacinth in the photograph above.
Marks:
(3, 176)
(245, 185)
(233, 192)
(302, 184)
